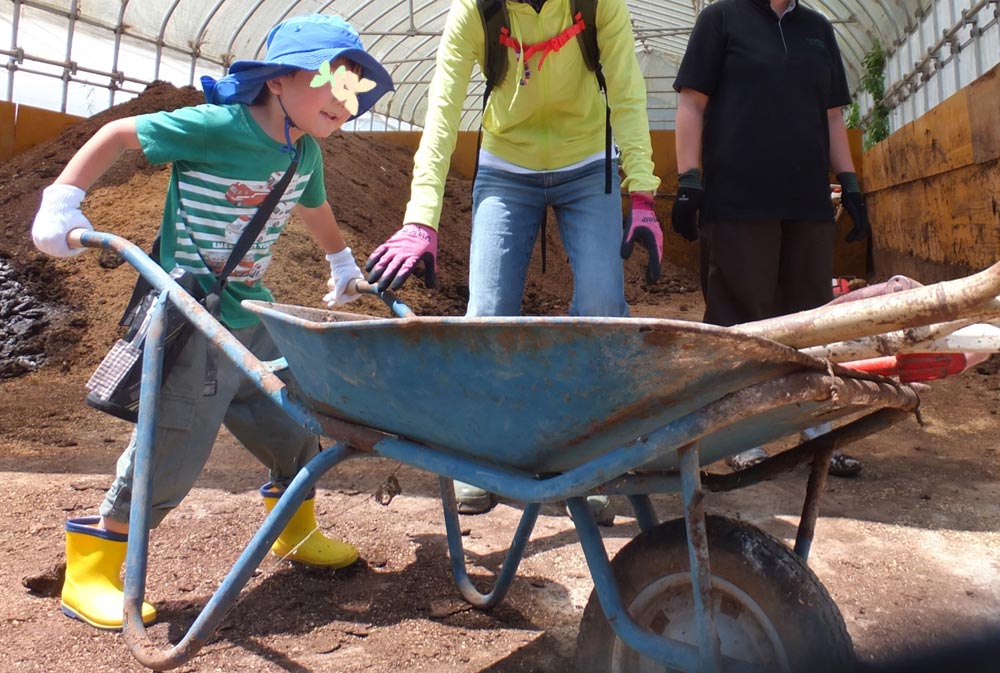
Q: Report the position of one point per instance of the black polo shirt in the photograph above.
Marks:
(770, 82)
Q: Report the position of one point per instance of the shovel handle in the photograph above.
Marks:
(398, 308)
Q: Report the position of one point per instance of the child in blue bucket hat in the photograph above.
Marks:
(225, 155)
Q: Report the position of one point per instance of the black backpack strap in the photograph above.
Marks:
(607, 130)
(479, 137)
(587, 9)
(494, 16)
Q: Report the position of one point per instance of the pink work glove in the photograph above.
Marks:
(391, 263)
(643, 228)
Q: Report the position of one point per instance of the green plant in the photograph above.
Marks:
(872, 81)
(854, 116)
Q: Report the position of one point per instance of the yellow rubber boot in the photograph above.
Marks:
(93, 591)
(302, 541)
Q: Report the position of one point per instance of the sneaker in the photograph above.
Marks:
(472, 499)
(842, 465)
(600, 509)
(748, 458)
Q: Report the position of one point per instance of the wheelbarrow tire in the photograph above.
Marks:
(767, 601)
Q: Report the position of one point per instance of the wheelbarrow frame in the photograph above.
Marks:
(613, 472)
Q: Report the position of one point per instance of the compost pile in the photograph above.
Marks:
(65, 312)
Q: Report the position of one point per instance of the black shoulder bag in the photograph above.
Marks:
(114, 386)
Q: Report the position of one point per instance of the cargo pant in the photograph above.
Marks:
(189, 421)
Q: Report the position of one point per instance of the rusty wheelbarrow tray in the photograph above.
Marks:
(551, 409)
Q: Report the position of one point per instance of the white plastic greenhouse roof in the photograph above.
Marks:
(108, 50)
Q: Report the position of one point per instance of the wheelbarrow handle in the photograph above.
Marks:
(398, 308)
(75, 236)
(74, 239)
(258, 372)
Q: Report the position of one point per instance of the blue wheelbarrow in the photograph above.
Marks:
(543, 410)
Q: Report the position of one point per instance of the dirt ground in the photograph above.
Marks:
(909, 550)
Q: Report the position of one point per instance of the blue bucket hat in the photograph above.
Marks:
(300, 43)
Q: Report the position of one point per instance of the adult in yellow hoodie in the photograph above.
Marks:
(543, 146)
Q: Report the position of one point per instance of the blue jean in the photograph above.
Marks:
(508, 210)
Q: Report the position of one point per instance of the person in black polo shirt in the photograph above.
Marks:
(761, 89)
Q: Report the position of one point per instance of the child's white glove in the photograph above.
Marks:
(343, 269)
(58, 215)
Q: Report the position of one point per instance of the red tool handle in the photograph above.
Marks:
(910, 367)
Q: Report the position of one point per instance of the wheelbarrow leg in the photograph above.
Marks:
(225, 596)
(701, 575)
(817, 482)
(457, 552)
(645, 514)
(138, 537)
(145, 432)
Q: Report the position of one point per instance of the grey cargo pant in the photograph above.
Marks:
(189, 422)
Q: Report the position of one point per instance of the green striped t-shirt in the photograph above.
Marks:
(223, 167)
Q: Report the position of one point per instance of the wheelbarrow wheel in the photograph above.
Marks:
(770, 609)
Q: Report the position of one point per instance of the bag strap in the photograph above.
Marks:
(254, 227)
(249, 235)
(588, 38)
(592, 57)
(494, 16)
(141, 288)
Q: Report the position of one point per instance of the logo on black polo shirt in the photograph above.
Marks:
(816, 42)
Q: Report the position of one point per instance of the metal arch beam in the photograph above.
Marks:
(119, 30)
(411, 31)
(424, 77)
(404, 101)
(666, 9)
(664, 27)
(278, 19)
(891, 21)
(406, 33)
(200, 35)
(73, 14)
(159, 37)
(428, 68)
(426, 39)
(226, 57)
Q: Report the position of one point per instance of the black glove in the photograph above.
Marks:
(684, 214)
(854, 203)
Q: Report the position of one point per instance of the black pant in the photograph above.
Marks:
(756, 269)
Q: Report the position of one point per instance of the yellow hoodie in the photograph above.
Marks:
(552, 120)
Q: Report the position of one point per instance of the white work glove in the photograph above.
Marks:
(343, 269)
(58, 215)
